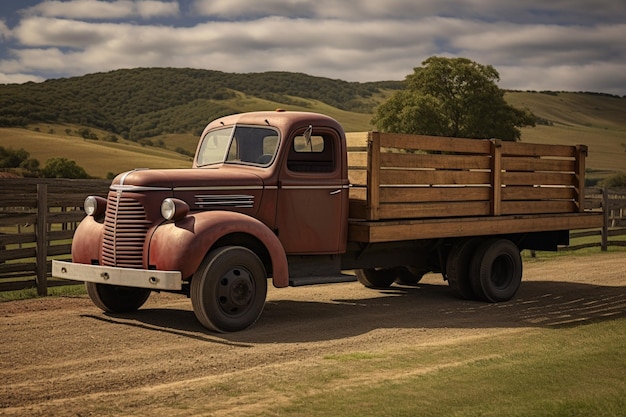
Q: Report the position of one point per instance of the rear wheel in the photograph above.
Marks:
(496, 270)
(115, 298)
(458, 266)
(228, 290)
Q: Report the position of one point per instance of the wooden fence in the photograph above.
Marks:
(30, 238)
(612, 201)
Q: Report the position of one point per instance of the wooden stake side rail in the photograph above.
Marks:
(403, 176)
(388, 230)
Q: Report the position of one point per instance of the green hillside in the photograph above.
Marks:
(595, 120)
(147, 102)
(155, 114)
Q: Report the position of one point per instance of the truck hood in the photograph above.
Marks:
(175, 179)
(222, 188)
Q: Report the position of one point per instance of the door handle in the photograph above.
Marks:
(335, 192)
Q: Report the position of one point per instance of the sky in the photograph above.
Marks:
(558, 45)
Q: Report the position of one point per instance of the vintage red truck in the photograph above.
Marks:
(288, 196)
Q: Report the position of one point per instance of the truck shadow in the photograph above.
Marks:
(537, 304)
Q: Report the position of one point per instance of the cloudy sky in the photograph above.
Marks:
(570, 45)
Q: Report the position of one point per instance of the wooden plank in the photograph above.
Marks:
(357, 140)
(472, 226)
(15, 254)
(539, 207)
(434, 143)
(13, 268)
(16, 238)
(537, 150)
(9, 200)
(496, 177)
(12, 219)
(433, 194)
(42, 242)
(581, 155)
(358, 193)
(537, 164)
(357, 177)
(408, 160)
(57, 250)
(538, 193)
(357, 160)
(432, 177)
(66, 217)
(60, 235)
(538, 178)
(433, 210)
(373, 175)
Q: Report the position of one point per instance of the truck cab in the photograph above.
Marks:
(300, 159)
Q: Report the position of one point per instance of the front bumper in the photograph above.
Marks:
(127, 277)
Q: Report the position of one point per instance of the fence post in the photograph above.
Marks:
(42, 239)
(605, 223)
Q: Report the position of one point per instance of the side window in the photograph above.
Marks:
(315, 155)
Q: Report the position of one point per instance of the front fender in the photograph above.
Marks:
(87, 241)
(182, 245)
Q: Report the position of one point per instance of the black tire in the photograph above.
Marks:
(228, 290)
(376, 278)
(116, 298)
(496, 270)
(458, 268)
(409, 275)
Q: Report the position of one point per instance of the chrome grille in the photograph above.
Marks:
(125, 230)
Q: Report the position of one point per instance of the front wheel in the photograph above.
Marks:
(116, 298)
(228, 290)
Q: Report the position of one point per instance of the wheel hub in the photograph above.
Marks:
(236, 291)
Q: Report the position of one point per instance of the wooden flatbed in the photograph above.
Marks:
(407, 187)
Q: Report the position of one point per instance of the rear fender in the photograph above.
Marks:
(182, 245)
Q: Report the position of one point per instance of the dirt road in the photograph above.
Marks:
(63, 356)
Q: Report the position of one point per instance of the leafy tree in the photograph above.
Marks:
(615, 180)
(63, 168)
(453, 97)
(11, 158)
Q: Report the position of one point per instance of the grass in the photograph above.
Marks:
(28, 293)
(568, 372)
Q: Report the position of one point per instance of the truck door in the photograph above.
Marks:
(312, 195)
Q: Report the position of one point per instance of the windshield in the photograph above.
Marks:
(249, 145)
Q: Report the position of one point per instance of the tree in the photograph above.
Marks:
(453, 97)
(63, 168)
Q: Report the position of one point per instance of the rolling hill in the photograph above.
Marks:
(146, 117)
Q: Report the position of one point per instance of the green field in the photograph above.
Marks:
(572, 118)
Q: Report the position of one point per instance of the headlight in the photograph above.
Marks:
(174, 209)
(95, 206)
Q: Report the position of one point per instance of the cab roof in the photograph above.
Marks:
(283, 120)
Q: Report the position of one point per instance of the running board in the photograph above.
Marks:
(314, 280)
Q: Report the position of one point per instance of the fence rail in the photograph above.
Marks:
(612, 201)
(31, 237)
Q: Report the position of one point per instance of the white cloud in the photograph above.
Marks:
(96, 9)
(538, 11)
(19, 78)
(5, 32)
(362, 40)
